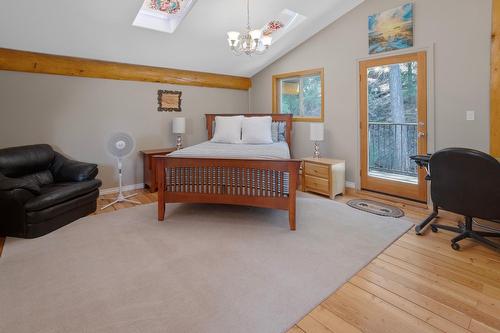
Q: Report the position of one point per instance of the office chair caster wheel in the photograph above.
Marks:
(455, 246)
(418, 231)
(434, 229)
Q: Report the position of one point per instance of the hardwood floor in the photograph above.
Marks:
(418, 284)
(143, 196)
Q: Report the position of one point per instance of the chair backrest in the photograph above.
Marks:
(466, 182)
(25, 160)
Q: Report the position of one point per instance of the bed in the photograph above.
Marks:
(237, 174)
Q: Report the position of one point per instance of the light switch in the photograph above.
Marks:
(470, 115)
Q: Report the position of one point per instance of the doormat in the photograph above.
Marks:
(375, 207)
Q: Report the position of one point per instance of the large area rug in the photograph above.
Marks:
(208, 268)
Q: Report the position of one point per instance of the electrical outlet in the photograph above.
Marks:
(470, 115)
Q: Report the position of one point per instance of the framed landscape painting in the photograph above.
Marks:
(391, 29)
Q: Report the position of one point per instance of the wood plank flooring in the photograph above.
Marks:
(418, 284)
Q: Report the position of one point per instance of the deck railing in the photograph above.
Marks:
(390, 148)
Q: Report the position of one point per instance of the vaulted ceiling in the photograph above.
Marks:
(103, 30)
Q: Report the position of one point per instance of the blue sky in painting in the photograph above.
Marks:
(404, 12)
(391, 29)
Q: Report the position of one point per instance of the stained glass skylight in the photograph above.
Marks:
(283, 23)
(162, 15)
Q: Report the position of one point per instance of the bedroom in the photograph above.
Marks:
(80, 77)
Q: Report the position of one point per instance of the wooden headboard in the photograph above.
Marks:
(287, 118)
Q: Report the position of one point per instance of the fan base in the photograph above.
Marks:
(122, 198)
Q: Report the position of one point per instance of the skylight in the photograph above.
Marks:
(286, 21)
(162, 15)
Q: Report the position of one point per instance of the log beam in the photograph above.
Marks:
(32, 62)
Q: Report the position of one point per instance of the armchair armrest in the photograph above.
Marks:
(12, 211)
(14, 193)
(66, 170)
(17, 196)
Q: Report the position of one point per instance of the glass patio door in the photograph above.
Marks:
(393, 106)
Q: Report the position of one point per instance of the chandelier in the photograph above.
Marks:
(249, 42)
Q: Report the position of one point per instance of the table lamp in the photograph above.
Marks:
(179, 128)
(316, 134)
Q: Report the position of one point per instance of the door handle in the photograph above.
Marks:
(421, 134)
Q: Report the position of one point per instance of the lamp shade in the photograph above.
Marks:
(233, 35)
(317, 132)
(267, 40)
(256, 34)
(179, 125)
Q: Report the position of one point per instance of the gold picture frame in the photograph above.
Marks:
(169, 100)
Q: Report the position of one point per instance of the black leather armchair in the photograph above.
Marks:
(41, 190)
(466, 182)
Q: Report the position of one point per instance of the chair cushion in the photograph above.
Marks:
(8, 184)
(24, 160)
(54, 194)
(56, 216)
(40, 178)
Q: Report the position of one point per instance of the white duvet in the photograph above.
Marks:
(277, 150)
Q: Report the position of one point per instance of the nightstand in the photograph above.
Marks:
(324, 176)
(150, 166)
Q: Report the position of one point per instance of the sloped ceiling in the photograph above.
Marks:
(103, 30)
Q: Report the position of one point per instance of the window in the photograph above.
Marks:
(300, 94)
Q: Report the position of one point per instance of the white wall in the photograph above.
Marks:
(459, 33)
(76, 116)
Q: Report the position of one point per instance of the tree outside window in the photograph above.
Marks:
(300, 94)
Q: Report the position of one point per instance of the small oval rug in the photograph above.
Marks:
(375, 207)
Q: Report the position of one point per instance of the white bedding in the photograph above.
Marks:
(276, 150)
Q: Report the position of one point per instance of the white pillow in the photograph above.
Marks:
(257, 130)
(227, 129)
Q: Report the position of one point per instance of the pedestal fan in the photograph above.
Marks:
(121, 145)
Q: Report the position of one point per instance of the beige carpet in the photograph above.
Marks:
(207, 269)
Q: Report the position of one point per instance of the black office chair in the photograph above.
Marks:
(466, 182)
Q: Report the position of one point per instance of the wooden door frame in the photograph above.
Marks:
(495, 81)
(393, 187)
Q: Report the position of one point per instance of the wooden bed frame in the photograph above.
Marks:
(248, 182)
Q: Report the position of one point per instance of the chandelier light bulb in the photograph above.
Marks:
(266, 40)
(256, 34)
(249, 42)
(233, 35)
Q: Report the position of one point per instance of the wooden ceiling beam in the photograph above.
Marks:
(32, 62)
(495, 81)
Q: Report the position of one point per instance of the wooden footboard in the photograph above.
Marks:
(249, 182)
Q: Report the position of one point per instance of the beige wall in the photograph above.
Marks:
(457, 34)
(76, 116)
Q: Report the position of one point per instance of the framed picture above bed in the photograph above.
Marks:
(300, 94)
(169, 100)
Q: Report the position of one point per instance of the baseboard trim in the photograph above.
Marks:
(124, 188)
(350, 184)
